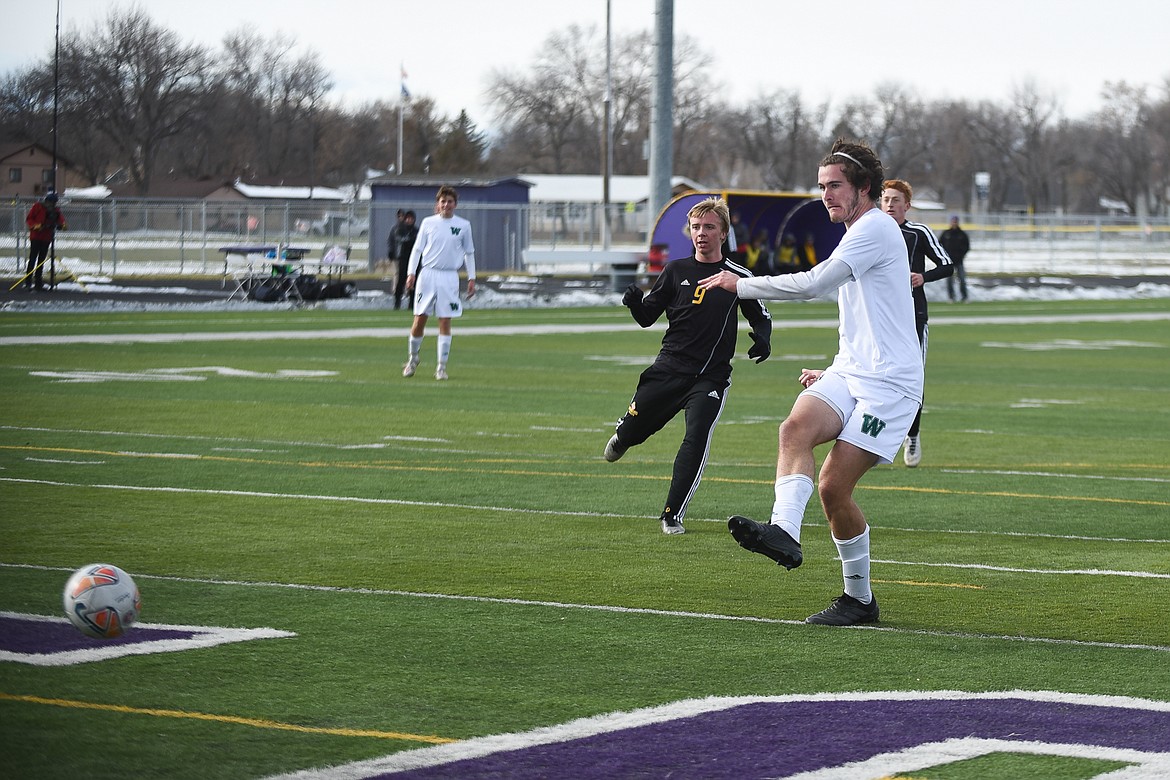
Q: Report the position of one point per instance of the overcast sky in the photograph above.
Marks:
(828, 51)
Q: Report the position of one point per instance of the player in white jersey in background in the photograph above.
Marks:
(444, 245)
(864, 402)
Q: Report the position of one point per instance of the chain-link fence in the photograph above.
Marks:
(1094, 244)
(183, 236)
(140, 236)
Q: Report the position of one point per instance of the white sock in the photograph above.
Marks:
(855, 565)
(415, 346)
(792, 494)
(444, 349)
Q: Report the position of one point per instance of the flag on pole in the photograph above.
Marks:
(405, 91)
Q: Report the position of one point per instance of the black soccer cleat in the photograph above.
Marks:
(770, 540)
(846, 611)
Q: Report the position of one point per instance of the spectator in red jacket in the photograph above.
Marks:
(43, 220)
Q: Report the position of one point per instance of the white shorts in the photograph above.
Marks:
(874, 416)
(437, 293)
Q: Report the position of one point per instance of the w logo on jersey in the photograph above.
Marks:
(455, 231)
(872, 425)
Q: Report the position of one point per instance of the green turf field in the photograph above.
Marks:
(456, 559)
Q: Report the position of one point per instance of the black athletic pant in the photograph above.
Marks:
(660, 396)
(400, 285)
(923, 340)
(37, 252)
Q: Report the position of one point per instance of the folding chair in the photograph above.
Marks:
(336, 261)
(239, 267)
(336, 258)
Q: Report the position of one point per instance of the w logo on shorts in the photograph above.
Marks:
(872, 425)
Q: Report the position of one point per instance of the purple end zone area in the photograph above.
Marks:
(44, 640)
(22, 635)
(776, 739)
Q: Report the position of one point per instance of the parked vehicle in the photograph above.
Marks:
(334, 223)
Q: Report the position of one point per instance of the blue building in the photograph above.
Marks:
(496, 208)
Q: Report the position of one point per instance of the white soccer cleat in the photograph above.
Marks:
(410, 367)
(912, 451)
(614, 449)
(440, 374)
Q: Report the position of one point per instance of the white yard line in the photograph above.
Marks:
(511, 330)
(609, 608)
(1142, 765)
(546, 512)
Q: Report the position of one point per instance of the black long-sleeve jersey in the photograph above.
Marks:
(921, 244)
(702, 324)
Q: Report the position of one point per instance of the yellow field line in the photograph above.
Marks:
(1041, 228)
(254, 722)
(916, 584)
(1005, 494)
(527, 473)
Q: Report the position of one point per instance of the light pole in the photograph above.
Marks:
(403, 96)
(607, 135)
(53, 171)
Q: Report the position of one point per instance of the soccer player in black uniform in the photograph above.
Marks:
(920, 244)
(692, 372)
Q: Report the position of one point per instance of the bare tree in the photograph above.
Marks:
(631, 78)
(26, 103)
(1123, 150)
(1035, 154)
(26, 114)
(1159, 130)
(699, 129)
(136, 100)
(954, 155)
(137, 84)
(277, 99)
(779, 138)
(549, 101)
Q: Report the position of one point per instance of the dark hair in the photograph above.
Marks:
(409, 214)
(447, 191)
(860, 165)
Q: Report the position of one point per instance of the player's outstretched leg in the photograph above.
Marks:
(770, 540)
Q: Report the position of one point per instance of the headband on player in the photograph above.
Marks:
(847, 157)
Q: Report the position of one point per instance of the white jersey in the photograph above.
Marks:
(878, 340)
(443, 245)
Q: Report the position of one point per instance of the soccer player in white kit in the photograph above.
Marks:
(865, 401)
(444, 245)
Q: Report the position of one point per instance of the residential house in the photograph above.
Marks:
(26, 171)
